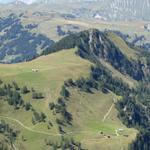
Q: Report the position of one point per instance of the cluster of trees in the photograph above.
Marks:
(60, 31)
(20, 41)
(67, 42)
(28, 106)
(6, 22)
(134, 110)
(50, 124)
(100, 79)
(61, 108)
(13, 94)
(64, 92)
(142, 141)
(7, 131)
(36, 95)
(146, 54)
(82, 83)
(145, 46)
(38, 117)
(64, 144)
(25, 90)
(31, 26)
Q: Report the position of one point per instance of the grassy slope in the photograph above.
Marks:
(95, 113)
(120, 43)
(116, 73)
(128, 52)
(88, 109)
(54, 69)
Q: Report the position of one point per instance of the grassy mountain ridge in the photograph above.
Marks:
(78, 103)
(95, 46)
(49, 79)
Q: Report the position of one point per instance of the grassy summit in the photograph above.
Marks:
(92, 113)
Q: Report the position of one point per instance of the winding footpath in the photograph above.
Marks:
(109, 110)
(54, 134)
(42, 132)
(28, 128)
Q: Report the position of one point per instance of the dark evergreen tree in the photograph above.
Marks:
(28, 106)
(64, 92)
(24, 90)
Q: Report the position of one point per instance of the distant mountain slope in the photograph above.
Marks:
(18, 43)
(99, 9)
(129, 9)
(110, 9)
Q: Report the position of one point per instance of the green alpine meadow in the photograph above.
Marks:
(75, 75)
